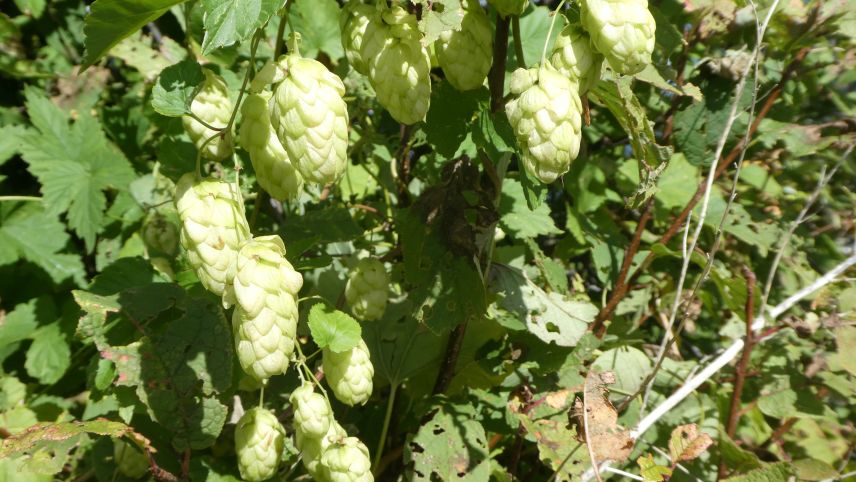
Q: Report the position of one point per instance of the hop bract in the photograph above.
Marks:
(311, 119)
(274, 171)
(509, 7)
(399, 65)
(213, 227)
(367, 291)
(574, 57)
(347, 461)
(265, 317)
(353, 22)
(466, 54)
(259, 440)
(546, 116)
(213, 106)
(621, 30)
(349, 374)
(130, 461)
(312, 413)
(312, 448)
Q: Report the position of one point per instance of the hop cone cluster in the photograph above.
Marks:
(213, 106)
(259, 441)
(546, 116)
(311, 118)
(213, 227)
(574, 57)
(353, 22)
(347, 461)
(274, 171)
(509, 7)
(265, 317)
(349, 374)
(622, 30)
(367, 291)
(398, 65)
(466, 54)
(312, 448)
(129, 460)
(312, 413)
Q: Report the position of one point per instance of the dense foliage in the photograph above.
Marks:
(427, 240)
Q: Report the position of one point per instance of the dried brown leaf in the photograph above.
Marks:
(607, 440)
(687, 443)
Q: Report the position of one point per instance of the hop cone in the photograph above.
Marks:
(160, 235)
(265, 317)
(545, 115)
(312, 448)
(274, 170)
(367, 290)
(129, 460)
(399, 66)
(466, 54)
(259, 440)
(509, 7)
(353, 22)
(311, 119)
(213, 227)
(622, 30)
(574, 57)
(349, 374)
(347, 461)
(312, 413)
(213, 106)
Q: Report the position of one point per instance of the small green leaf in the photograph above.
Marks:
(175, 88)
(12, 392)
(778, 472)
(813, 469)
(449, 117)
(49, 356)
(516, 216)
(439, 16)
(629, 365)
(493, 134)
(333, 329)
(230, 21)
(651, 471)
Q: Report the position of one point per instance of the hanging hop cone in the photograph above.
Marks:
(130, 461)
(213, 227)
(347, 461)
(213, 106)
(621, 30)
(466, 54)
(265, 318)
(354, 19)
(349, 374)
(546, 116)
(312, 448)
(367, 290)
(574, 57)
(398, 64)
(312, 413)
(274, 171)
(259, 441)
(509, 7)
(310, 118)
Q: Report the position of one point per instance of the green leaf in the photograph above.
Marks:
(557, 446)
(333, 329)
(845, 343)
(493, 134)
(813, 469)
(176, 87)
(33, 8)
(447, 124)
(317, 21)
(651, 471)
(110, 21)
(629, 365)
(230, 21)
(516, 217)
(49, 356)
(12, 392)
(137, 52)
(439, 16)
(47, 433)
(534, 25)
(778, 472)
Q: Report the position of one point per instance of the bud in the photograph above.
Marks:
(621, 30)
(259, 441)
(213, 106)
(349, 374)
(312, 413)
(312, 448)
(347, 461)
(574, 57)
(466, 54)
(367, 291)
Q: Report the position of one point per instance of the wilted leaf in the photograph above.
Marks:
(687, 443)
(599, 421)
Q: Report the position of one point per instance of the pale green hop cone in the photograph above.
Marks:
(312, 413)
(574, 57)
(347, 461)
(274, 171)
(310, 118)
(367, 290)
(312, 448)
(213, 227)
(130, 461)
(213, 106)
(621, 30)
(399, 65)
(349, 374)
(509, 7)
(354, 19)
(545, 114)
(265, 319)
(466, 54)
(259, 441)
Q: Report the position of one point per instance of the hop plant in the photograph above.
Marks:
(213, 227)
(131, 462)
(265, 317)
(466, 54)
(621, 30)
(213, 106)
(312, 448)
(353, 22)
(509, 7)
(259, 441)
(311, 118)
(546, 116)
(312, 413)
(347, 461)
(349, 374)
(574, 57)
(160, 235)
(367, 291)
(274, 171)
(399, 65)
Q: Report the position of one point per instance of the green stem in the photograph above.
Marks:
(518, 42)
(550, 31)
(280, 33)
(383, 431)
(20, 198)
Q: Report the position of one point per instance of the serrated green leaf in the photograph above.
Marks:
(557, 446)
(778, 472)
(47, 433)
(439, 16)
(493, 134)
(651, 471)
(813, 469)
(449, 116)
(231, 21)
(175, 88)
(49, 355)
(629, 365)
(516, 217)
(12, 392)
(33, 8)
(317, 21)
(333, 329)
(137, 52)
